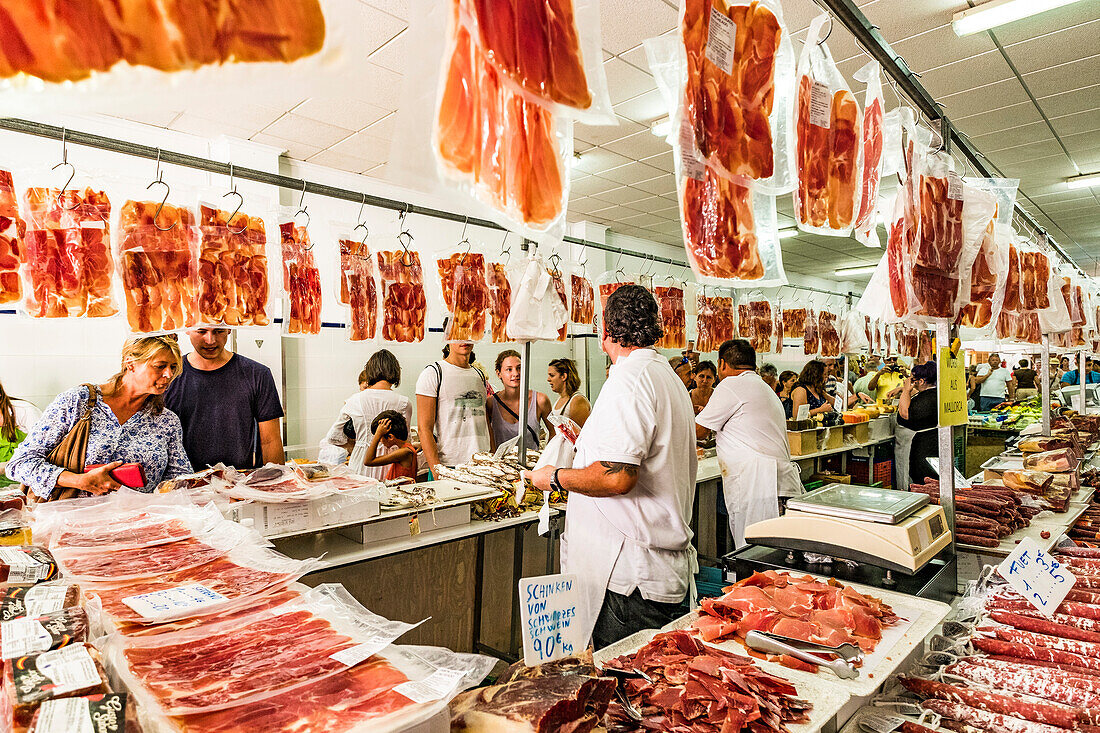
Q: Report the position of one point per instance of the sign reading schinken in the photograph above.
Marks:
(548, 612)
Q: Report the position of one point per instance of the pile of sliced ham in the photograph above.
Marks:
(796, 606)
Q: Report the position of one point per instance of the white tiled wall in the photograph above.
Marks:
(38, 359)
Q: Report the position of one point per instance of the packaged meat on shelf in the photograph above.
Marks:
(715, 321)
(163, 633)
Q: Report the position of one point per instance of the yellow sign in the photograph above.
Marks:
(951, 386)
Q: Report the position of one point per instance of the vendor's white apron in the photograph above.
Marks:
(903, 444)
(751, 485)
(589, 549)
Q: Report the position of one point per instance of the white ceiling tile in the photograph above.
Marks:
(378, 171)
(1047, 21)
(626, 23)
(396, 8)
(1067, 103)
(621, 195)
(636, 57)
(381, 87)
(313, 132)
(152, 116)
(362, 145)
(1074, 75)
(351, 114)
(645, 220)
(598, 159)
(1053, 49)
(203, 127)
(293, 148)
(1081, 141)
(585, 205)
(665, 183)
(662, 161)
(373, 29)
(638, 146)
(343, 162)
(393, 55)
(617, 213)
(1011, 137)
(983, 99)
(940, 46)
(646, 204)
(625, 81)
(901, 19)
(644, 109)
(588, 185)
(977, 71)
(630, 173)
(1086, 121)
(1013, 115)
(600, 134)
(382, 128)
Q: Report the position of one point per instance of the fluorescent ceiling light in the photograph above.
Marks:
(787, 233)
(661, 127)
(860, 270)
(1086, 181)
(998, 12)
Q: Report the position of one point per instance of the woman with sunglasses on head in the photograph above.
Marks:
(129, 424)
(565, 382)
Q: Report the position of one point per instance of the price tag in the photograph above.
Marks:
(838, 403)
(721, 40)
(690, 165)
(954, 186)
(435, 686)
(291, 516)
(1037, 576)
(22, 567)
(71, 668)
(67, 715)
(22, 636)
(548, 616)
(821, 105)
(356, 654)
(170, 602)
(803, 413)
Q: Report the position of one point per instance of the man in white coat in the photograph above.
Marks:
(627, 532)
(751, 429)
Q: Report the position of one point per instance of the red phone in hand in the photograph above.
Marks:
(128, 474)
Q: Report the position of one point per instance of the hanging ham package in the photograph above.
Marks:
(732, 89)
(829, 333)
(301, 281)
(500, 300)
(557, 279)
(465, 295)
(606, 284)
(12, 230)
(987, 279)
(730, 226)
(404, 305)
(67, 265)
(158, 259)
(670, 299)
(714, 325)
(873, 142)
(755, 322)
(582, 302)
(358, 288)
(811, 336)
(233, 268)
(828, 141)
(473, 131)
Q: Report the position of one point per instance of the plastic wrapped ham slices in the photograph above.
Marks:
(873, 137)
(301, 281)
(12, 230)
(582, 304)
(465, 295)
(736, 77)
(233, 269)
(828, 142)
(404, 306)
(670, 299)
(509, 153)
(500, 300)
(358, 289)
(159, 263)
(714, 324)
(67, 266)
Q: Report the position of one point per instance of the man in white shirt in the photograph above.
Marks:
(627, 532)
(993, 379)
(751, 430)
(451, 418)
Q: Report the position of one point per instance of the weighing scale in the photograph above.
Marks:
(886, 529)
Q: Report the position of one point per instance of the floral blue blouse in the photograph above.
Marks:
(155, 441)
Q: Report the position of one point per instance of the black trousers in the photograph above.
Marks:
(620, 616)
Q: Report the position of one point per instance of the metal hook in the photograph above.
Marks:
(822, 41)
(584, 263)
(619, 270)
(240, 202)
(72, 173)
(303, 209)
(555, 260)
(160, 206)
(363, 225)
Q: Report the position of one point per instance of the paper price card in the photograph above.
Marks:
(1037, 576)
(171, 601)
(548, 614)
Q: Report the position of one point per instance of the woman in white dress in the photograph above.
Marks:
(351, 434)
(565, 382)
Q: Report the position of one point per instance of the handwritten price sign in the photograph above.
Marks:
(1037, 576)
(548, 611)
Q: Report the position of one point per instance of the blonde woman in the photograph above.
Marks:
(129, 425)
(564, 380)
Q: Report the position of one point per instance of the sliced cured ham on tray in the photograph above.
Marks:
(917, 618)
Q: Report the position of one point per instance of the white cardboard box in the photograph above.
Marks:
(426, 520)
(280, 518)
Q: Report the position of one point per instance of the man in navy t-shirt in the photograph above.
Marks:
(228, 405)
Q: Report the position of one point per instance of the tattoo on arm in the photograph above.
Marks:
(611, 467)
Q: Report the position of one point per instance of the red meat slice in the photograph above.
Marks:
(358, 290)
(673, 317)
(301, 280)
(466, 294)
(500, 301)
(404, 306)
(583, 306)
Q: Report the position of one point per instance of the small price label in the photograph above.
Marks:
(1037, 576)
(690, 164)
(838, 403)
(171, 602)
(954, 186)
(721, 39)
(821, 105)
(548, 616)
(435, 686)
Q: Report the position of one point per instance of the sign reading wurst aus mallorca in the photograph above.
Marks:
(951, 388)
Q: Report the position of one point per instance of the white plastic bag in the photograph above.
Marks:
(537, 311)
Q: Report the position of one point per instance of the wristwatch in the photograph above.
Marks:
(555, 485)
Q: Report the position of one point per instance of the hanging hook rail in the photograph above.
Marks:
(167, 190)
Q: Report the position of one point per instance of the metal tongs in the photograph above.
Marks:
(621, 676)
(763, 641)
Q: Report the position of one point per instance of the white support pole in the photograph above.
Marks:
(1083, 380)
(1045, 384)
